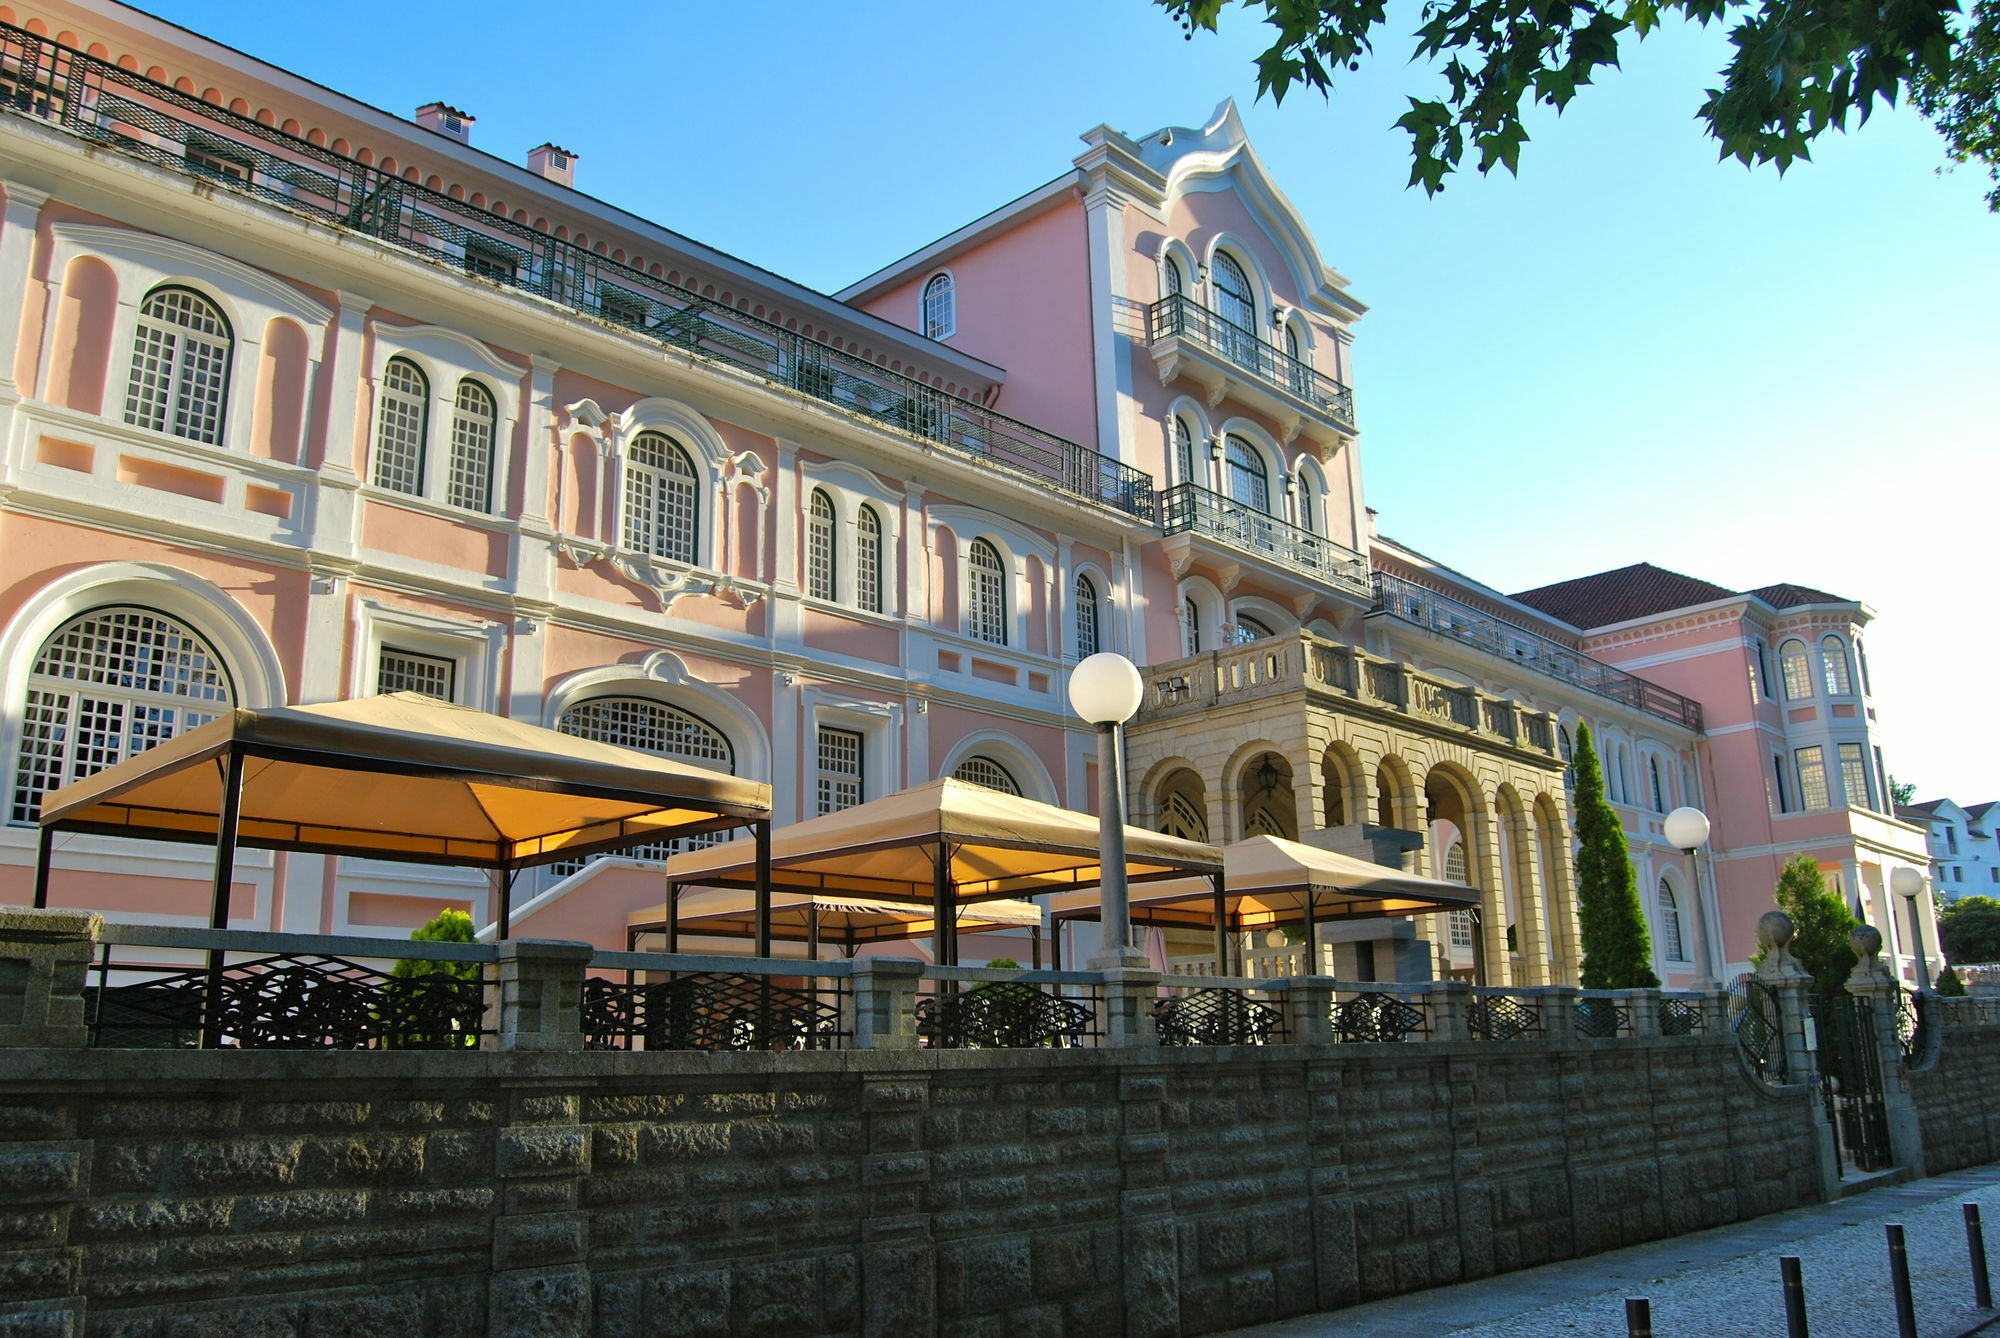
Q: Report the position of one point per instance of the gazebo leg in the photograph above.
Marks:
(503, 903)
(45, 846)
(218, 907)
(763, 832)
(1221, 928)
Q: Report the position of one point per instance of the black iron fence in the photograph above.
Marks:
(983, 1008)
(660, 1001)
(1207, 1010)
(1181, 317)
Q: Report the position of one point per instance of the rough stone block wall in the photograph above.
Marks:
(1057, 1193)
(1954, 1097)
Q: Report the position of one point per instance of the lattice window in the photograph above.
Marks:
(407, 671)
(473, 420)
(1248, 629)
(1180, 817)
(1461, 929)
(1191, 625)
(1812, 777)
(986, 593)
(1233, 301)
(108, 685)
(1183, 452)
(981, 770)
(1854, 776)
(940, 307)
(868, 559)
(1797, 675)
(650, 727)
(840, 774)
(180, 366)
(402, 415)
(1672, 945)
(661, 516)
(1087, 636)
(1833, 659)
(820, 570)
(1249, 483)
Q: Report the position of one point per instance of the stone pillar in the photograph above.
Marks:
(1645, 1006)
(884, 1002)
(1558, 1004)
(1126, 1016)
(1450, 1002)
(1872, 982)
(541, 993)
(44, 958)
(1309, 1009)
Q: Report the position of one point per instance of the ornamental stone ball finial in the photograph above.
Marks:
(1866, 941)
(1774, 930)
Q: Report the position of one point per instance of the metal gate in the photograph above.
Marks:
(1850, 1073)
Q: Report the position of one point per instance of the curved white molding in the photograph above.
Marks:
(682, 422)
(1020, 760)
(471, 353)
(969, 523)
(182, 260)
(665, 678)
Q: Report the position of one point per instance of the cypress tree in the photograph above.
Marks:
(1617, 951)
(1820, 923)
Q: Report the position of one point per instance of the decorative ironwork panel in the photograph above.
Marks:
(1602, 1019)
(1216, 1017)
(1850, 1070)
(1757, 1031)
(1377, 1017)
(1000, 1016)
(708, 1010)
(1682, 1017)
(1503, 1017)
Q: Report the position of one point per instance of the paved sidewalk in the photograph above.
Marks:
(1720, 1283)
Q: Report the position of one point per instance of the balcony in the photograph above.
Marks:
(1190, 340)
(1461, 622)
(1333, 674)
(1187, 509)
(116, 110)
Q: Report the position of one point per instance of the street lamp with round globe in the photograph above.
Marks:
(1908, 883)
(1105, 690)
(1686, 829)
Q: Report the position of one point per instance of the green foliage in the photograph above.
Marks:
(1800, 68)
(1820, 924)
(1969, 930)
(1949, 985)
(412, 993)
(448, 926)
(1617, 953)
(1903, 792)
(1004, 964)
(1963, 102)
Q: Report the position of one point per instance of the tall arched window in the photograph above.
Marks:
(661, 518)
(1191, 625)
(1658, 787)
(979, 769)
(1235, 305)
(1183, 452)
(868, 559)
(1247, 480)
(1308, 504)
(401, 425)
(986, 593)
(1672, 945)
(180, 366)
(650, 727)
(1298, 373)
(819, 546)
(940, 307)
(1833, 658)
(1088, 640)
(473, 417)
(1792, 665)
(1176, 281)
(110, 684)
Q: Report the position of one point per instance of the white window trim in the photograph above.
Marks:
(446, 358)
(1021, 762)
(706, 451)
(476, 646)
(923, 304)
(1107, 622)
(849, 488)
(880, 725)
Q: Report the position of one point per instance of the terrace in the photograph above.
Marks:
(1190, 340)
(1242, 529)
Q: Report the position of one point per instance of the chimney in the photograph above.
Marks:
(448, 121)
(555, 164)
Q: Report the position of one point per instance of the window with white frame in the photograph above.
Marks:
(1191, 625)
(180, 366)
(650, 727)
(1184, 471)
(1176, 281)
(867, 559)
(1088, 641)
(474, 415)
(492, 260)
(1780, 791)
(108, 685)
(1248, 629)
(1673, 947)
(1658, 786)
(940, 307)
(1247, 480)
(1812, 777)
(407, 671)
(661, 515)
(840, 774)
(1233, 300)
(979, 769)
(402, 417)
(985, 593)
(1797, 674)
(1854, 778)
(1568, 756)
(1861, 662)
(1461, 929)
(819, 546)
(1763, 670)
(1833, 661)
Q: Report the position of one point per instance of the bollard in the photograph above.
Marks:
(1795, 1296)
(1975, 1245)
(1638, 1317)
(1899, 1281)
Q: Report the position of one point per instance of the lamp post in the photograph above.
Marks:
(1908, 883)
(1105, 690)
(1687, 831)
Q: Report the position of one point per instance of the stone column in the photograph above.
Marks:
(1558, 1004)
(1309, 1009)
(1126, 1016)
(1450, 1003)
(884, 1002)
(1872, 982)
(1645, 1006)
(44, 958)
(1781, 972)
(541, 993)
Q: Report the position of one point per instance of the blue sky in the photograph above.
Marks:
(1631, 353)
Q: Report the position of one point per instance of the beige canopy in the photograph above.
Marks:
(945, 841)
(403, 777)
(845, 921)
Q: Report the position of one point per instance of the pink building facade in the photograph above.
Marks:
(304, 401)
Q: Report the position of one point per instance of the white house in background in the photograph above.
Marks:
(1964, 846)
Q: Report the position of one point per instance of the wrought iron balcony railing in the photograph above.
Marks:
(1180, 316)
(115, 109)
(1462, 622)
(1185, 507)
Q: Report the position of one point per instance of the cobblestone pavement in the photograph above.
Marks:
(1720, 1283)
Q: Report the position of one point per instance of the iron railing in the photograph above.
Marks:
(1916, 1015)
(982, 1008)
(1499, 1016)
(1602, 1017)
(116, 109)
(1462, 622)
(1379, 1016)
(1181, 317)
(1219, 1012)
(1185, 507)
(677, 1002)
(1759, 1031)
(1682, 1017)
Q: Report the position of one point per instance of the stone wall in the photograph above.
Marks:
(1957, 1113)
(1077, 1192)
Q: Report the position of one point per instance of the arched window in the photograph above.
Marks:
(1298, 373)
(1764, 669)
(1861, 661)
(1184, 452)
(940, 307)
(1087, 638)
(1308, 507)
(401, 426)
(1176, 281)
(110, 684)
(986, 593)
(1249, 629)
(1672, 945)
(1792, 664)
(180, 366)
(472, 421)
(1191, 625)
(1237, 308)
(1248, 482)
(1833, 658)
(1568, 757)
(979, 769)
(819, 546)
(1179, 817)
(1462, 923)
(1658, 787)
(868, 559)
(650, 727)
(661, 518)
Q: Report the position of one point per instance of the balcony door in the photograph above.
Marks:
(1237, 309)
(1249, 489)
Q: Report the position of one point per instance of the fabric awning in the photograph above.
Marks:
(844, 921)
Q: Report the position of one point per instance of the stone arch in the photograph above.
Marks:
(1180, 804)
(1521, 866)
(1343, 791)
(1267, 797)
(1396, 795)
(1452, 794)
(1559, 887)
